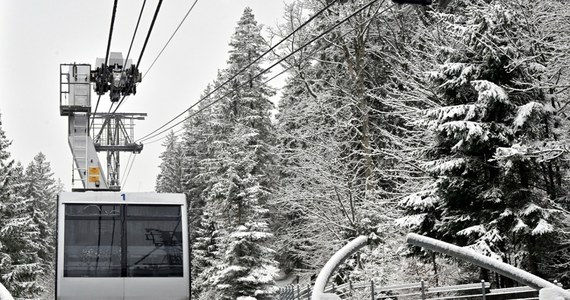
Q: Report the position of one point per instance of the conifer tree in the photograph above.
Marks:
(239, 173)
(170, 178)
(495, 154)
(42, 189)
(19, 262)
(196, 148)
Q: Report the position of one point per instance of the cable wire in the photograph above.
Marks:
(251, 63)
(126, 168)
(210, 104)
(134, 34)
(107, 52)
(163, 48)
(111, 31)
(149, 32)
(130, 168)
(95, 112)
(151, 135)
(174, 33)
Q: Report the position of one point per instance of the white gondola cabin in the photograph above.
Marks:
(114, 245)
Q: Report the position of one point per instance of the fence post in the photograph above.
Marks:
(372, 289)
(423, 290)
(350, 288)
(308, 291)
(298, 293)
(483, 289)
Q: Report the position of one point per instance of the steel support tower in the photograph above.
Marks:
(112, 132)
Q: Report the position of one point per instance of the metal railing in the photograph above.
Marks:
(547, 289)
(418, 290)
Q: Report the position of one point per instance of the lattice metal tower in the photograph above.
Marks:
(112, 132)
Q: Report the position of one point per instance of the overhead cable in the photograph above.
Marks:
(149, 32)
(247, 67)
(111, 31)
(135, 33)
(114, 13)
(160, 53)
(208, 105)
(152, 135)
(174, 33)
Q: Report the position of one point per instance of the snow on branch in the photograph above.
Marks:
(524, 112)
(488, 90)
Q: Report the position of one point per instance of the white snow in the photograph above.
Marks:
(4, 294)
(419, 201)
(525, 111)
(521, 226)
(531, 208)
(508, 152)
(488, 90)
(474, 129)
(550, 294)
(442, 167)
(479, 229)
(411, 221)
(542, 227)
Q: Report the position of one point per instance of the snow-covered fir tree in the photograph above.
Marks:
(20, 266)
(496, 156)
(237, 176)
(41, 188)
(170, 178)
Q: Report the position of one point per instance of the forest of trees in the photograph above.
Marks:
(450, 122)
(27, 224)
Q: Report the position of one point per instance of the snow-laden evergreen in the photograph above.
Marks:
(20, 264)
(224, 165)
(170, 178)
(492, 192)
(42, 189)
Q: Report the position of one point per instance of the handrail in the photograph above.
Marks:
(480, 260)
(547, 289)
(332, 265)
(417, 289)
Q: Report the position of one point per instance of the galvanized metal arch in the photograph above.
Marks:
(547, 288)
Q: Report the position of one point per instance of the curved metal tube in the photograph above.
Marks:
(332, 265)
(485, 262)
(4, 294)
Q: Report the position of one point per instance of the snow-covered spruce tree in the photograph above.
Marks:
(20, 266)
(196, 148)
(495, 157)
(170, 178)
(239, 174)
(41, 188)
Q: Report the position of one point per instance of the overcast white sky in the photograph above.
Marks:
(36, 36)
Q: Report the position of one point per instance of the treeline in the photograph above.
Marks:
(27, 224)
(445, 121)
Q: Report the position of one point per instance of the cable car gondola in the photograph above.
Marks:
(114, 245)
